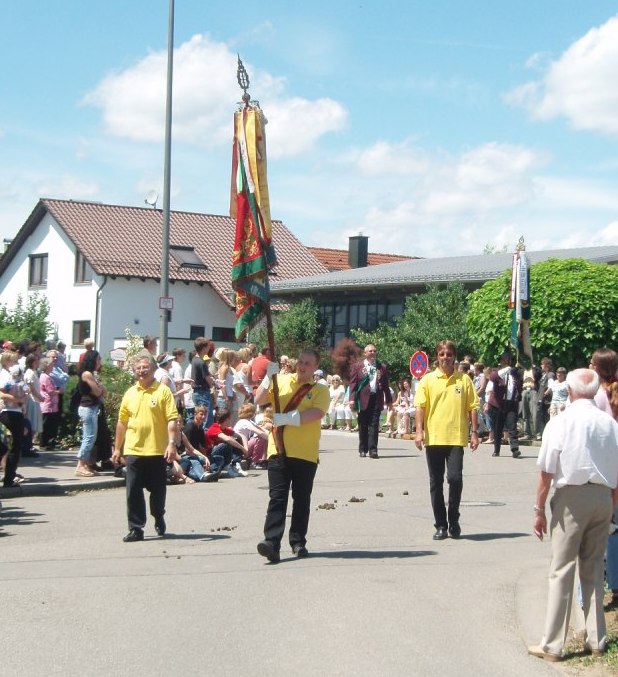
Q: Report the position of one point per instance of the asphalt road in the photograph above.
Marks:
(377, 595)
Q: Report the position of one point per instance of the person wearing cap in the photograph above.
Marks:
(369, 391)
(579, 457)
(559, 392)
(163, 374)
(146, 438)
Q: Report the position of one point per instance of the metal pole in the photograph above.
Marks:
(165, 250)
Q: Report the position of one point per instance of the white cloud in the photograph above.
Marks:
(205, 94)
(484, 179)
(65, 186)
(392, 158)
(579, 85)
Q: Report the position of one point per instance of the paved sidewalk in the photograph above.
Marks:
(53, 474)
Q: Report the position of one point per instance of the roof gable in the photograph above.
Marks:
(126, 242)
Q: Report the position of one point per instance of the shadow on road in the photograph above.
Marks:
(191, 537)
(492, 537)
(372, 554)
(12, 515)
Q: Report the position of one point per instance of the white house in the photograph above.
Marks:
(99, 267)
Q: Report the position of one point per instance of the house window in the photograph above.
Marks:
(83, 272)
(196, 330)
(81, 331)
(38, 270)
(186, 257)
(226, 334)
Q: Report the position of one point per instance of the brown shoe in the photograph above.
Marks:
(539, 653)
(589, 651)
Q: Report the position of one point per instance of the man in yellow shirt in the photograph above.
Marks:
(446, 403)
(145, 435)
(303, 404)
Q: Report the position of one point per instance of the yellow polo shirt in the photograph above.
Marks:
(301, 441)
(146, 413)
(447, 402)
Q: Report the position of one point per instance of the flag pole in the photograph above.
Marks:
(253, 253)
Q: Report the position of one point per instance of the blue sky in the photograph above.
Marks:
(435, 128)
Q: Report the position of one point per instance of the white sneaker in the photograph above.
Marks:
(239, 470)
(232, 472)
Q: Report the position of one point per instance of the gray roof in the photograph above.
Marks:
(417, 272)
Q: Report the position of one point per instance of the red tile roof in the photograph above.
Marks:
(337, 259)
(126, 241)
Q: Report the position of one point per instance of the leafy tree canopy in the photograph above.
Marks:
(574, 311)
(26, 321)
(299, 326)
(438, 314)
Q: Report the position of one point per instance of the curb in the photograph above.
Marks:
(60, 489)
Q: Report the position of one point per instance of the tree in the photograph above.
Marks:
(574, 311)
(299, 326)
(26, 322)
(439, 313)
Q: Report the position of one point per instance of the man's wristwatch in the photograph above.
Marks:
(539, 510)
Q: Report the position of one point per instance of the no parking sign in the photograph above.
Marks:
(419, 363)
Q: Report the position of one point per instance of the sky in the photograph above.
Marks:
(435, 128)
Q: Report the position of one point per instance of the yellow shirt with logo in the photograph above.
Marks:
(447, 401)
(300, 441)
(146, 413)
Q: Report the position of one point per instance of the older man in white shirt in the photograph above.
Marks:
(579, 453)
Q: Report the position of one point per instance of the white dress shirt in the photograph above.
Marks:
(581, 446)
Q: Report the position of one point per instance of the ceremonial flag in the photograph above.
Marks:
(519, 301)
(254, 254)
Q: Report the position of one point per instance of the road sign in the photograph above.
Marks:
(419, 363)
(166, 303)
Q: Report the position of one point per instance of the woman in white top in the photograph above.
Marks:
(337, 392)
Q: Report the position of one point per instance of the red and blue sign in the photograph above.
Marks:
(419, 363)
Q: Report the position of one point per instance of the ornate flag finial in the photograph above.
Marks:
(243, 81)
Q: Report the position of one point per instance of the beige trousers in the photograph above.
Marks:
(579, 529)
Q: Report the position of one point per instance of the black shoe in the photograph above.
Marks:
(160, 526)
(517, 454)
(134, 535)
(267, 549)
(496, 453)
(440, 534)
(300, 551)
(31, 453)
(362, 454)
(107, 465)
(454, 530)
(373, 454)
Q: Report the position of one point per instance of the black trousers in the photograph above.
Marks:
(439, 459)
(14, 421)
(145, 472)
(51, 422)
(369, 427)
(285, 472)
(511, 414)
(496, 416)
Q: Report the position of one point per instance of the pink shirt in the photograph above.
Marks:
(49, 401)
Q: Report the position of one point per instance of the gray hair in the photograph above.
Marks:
(583, 383)
(144, 355)
(44, 362)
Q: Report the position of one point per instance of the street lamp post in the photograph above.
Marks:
(165, 250)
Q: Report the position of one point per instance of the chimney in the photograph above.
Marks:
(357, 251)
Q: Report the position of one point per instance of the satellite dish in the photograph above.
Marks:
(151, 198)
